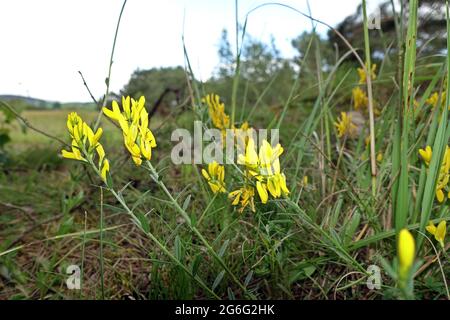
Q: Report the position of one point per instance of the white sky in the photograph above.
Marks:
(44, 43)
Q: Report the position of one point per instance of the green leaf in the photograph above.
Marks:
(223, 248)
(218, 279)
(144, 222)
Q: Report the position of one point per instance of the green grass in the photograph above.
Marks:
(161, 233)
(52, 122)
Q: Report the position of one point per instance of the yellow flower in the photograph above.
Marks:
(345, 126)
(360, 99)
(426, 154)
(92, 138)
(244, 196)
(216, 111)
(84, 142)
(305, 181)
(380, 156)
(241, 134)
(133, 120)
(80, 133)
(265, 169)
(269, 158)
(438, 232)
(215, 177)
(276, 185)
(75, 154)
(362, 73)
(75, 125)
(444, 176)
(105, 169)
(250, 158)
(406, 251)
(433, 100)
(262, 191)
(101, 153)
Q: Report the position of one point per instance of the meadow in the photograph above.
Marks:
(353, 203)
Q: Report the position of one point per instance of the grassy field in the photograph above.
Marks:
(52, 122)
(352, 188)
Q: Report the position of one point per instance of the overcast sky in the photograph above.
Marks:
(44, 43)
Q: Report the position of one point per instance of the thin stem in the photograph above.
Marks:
(138, 223)
(154, 175)
(373, 162)
(83, 255)
(108, 79)
(102, 282)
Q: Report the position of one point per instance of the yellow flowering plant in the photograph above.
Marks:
(215, 177)
(363, 75)
(216, 110)
(433, 100)
(444, 171)
(262, 173)
(133, 120)
(139, 141)
(264, 169)
(243, 196)
(221, 120)
(85, 145)
(360, 99)
(345, 126)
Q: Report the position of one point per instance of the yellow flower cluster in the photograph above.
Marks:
(433, 100)
(245, 196)
(133, 121)
(85, 144)
(360, 99)
(221, 120)
(264, 169)
(345, 126)
(444, 171)
(216, 110)
(215, 177)
(363, 76)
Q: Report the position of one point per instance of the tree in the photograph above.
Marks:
(431, 36)
(307, 44)
(226, 58)
(163, 87)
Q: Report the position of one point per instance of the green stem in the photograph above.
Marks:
(102, 280)
(154, 175)
(108, 79)
(152, 237)
(83, 256)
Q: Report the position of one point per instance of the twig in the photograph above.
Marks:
(108, 79)
(87, 87)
